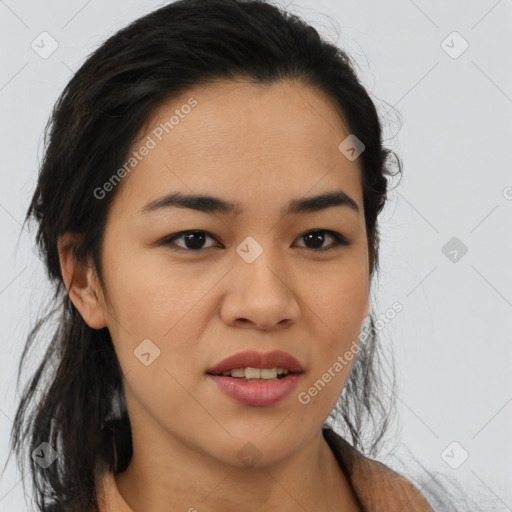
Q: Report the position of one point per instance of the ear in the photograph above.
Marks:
(82, 284)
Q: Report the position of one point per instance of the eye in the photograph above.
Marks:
(194, 240)
(316, 238)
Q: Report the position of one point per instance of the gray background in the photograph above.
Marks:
(452, 341)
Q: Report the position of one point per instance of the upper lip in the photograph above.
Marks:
(254, 359)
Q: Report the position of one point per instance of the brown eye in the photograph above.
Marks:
(192, 240)
(315, 239)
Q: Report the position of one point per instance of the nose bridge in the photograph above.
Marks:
(262, 293)
(261, 271)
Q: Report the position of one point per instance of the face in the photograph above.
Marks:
(253, 277)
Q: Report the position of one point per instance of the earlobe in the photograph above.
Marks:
(81, 284)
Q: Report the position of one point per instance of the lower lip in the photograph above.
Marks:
(257, 393)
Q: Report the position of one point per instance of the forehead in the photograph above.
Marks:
(243, 141)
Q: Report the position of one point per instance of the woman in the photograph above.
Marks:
(207, 209)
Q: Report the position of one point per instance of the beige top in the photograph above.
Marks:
(377, 487)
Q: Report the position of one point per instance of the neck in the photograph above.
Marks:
(172, 476)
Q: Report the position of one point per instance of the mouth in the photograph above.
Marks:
(256, 374)
(252, 365)
(257, 379)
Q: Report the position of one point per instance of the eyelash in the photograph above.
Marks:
(339, 240)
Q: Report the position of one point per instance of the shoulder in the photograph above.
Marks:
(376, 485)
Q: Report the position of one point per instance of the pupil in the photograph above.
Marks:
(316, 236)
(194, 240)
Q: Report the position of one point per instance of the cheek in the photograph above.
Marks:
(336, 311)
(338, 302)
(159, 313)
(149, 295)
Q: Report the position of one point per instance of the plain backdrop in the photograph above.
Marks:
(440, 75)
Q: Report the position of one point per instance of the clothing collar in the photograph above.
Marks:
(376, 486)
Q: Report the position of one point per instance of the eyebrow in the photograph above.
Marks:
(213, 205)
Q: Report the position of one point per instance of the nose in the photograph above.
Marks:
(260, 296)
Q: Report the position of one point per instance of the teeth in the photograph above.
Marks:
(256, 373)
(268, 373)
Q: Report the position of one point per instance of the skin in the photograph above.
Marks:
(262, 146)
